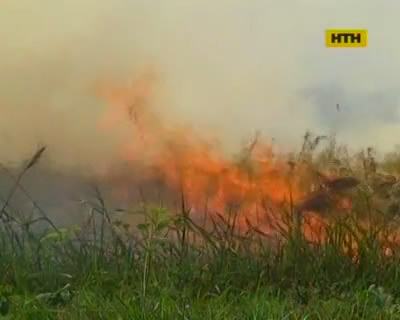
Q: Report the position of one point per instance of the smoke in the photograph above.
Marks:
(235, 66)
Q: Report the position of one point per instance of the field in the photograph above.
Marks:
(170, 266)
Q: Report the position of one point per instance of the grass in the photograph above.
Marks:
(173, 268)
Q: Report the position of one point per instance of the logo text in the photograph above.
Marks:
(346, 38)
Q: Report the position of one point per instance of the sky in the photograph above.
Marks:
(237, 66)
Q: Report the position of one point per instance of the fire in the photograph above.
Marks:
(192, 164)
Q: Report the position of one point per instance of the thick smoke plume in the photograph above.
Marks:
(234, 66)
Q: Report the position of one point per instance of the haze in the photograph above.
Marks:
(237, 66)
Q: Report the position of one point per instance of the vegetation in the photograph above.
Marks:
(170, 267)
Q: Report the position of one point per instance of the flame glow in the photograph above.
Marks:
(192, 163)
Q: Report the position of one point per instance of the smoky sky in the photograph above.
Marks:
(339, 109)
(235, 66)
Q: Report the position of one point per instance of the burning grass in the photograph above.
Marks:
(263, 236)
(298, 259)
(255, 190)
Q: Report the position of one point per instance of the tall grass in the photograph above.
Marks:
(170, 267)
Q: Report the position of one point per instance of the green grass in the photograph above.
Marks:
(169, 267)
(49, 276)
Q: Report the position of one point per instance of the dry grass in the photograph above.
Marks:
(172, 267)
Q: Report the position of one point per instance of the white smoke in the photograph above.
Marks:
(235, 65)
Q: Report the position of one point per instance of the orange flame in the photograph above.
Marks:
(192, 163)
